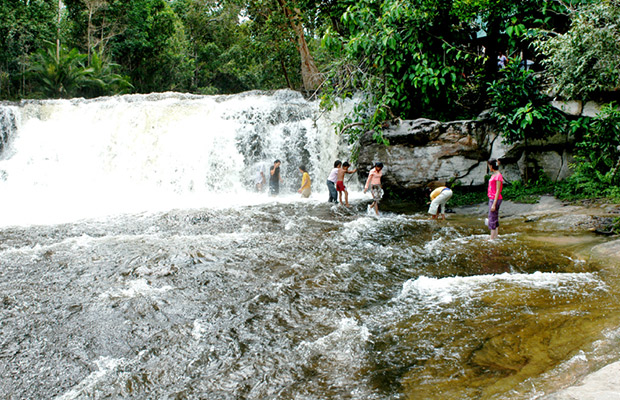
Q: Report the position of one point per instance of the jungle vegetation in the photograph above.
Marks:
(409, 58)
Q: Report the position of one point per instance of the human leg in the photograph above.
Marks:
(333, 196)
(494, 219)
(432, 209)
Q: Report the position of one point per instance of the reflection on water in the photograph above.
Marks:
(293, 300)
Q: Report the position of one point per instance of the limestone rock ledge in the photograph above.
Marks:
(423, 150)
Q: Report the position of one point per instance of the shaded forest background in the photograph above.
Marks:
(405, 59)
(434, 58)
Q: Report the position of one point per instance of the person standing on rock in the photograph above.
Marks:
(331, 182)
(306, 182)
(374, 182)
(340, 188)
(496, 184)
(275, 178)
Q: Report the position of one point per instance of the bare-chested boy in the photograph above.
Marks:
(340, 182)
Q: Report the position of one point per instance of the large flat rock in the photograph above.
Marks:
(603, 384)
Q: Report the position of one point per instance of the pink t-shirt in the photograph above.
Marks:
(493, 186)
(374, 177)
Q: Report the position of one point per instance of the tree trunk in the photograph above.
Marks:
(288, 81)
(58, 30)
(492, 48)
(89, 32)
(310, 75)
(309, 72)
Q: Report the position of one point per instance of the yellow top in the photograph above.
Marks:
(305, 181)
(436, 192)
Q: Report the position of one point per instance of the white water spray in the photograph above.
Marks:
(71, 159)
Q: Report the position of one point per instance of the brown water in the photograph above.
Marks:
(299, 300)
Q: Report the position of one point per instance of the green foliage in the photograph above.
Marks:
(104, 80)
(516, 191)
(59, 76)
(419, 59)
(467, 198)
(152, 47)
(521, 193)
(224, 61)
(404, 56)
(584, 60)
(275, 43)
(597, 157)
(520, 109)
(24, 29)
(65, 74)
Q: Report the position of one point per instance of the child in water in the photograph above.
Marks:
(374, 182)
(305, 182)
(342, 171)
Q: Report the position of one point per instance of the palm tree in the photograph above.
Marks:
(58, 73)
(104, 80)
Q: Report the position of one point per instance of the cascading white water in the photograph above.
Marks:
(7, 126)
(71, 159)
(284, 298)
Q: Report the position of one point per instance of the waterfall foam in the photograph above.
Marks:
(79, 158)
(8, 126)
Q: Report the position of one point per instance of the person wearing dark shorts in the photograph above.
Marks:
(494, 192)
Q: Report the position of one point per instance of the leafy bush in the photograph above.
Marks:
(520, 109)
(406, 57)
(597, 156)
(584, 60)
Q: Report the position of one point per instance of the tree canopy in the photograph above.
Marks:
(410, 58)
(585, 60)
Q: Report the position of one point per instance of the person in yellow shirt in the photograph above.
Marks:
(439, 198)
(305, 182)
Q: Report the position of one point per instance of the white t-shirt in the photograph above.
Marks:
(333, 176)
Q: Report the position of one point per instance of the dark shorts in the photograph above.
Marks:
(494, 215)
(340, 186)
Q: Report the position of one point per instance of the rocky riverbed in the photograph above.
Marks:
(584, 228)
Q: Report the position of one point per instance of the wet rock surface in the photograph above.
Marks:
(581, 227)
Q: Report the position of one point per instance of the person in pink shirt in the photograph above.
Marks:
(496, 184)
(374, 182)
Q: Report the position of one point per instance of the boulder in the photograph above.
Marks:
(572, 107)
(423, 150)
(591, 109)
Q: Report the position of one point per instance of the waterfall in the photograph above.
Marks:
(79, 158)
(8, 127)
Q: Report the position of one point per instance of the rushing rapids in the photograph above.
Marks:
(136, 261)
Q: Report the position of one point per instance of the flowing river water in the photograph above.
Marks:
(137, 262)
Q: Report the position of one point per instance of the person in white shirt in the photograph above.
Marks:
(331, 182)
